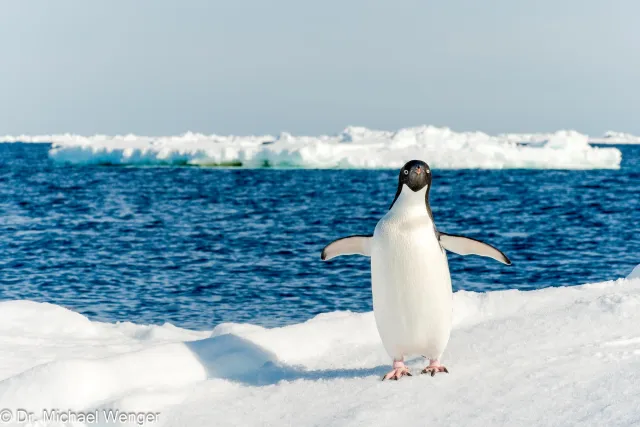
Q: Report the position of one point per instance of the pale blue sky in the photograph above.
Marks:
(247, 66)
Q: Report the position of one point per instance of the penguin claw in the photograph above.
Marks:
(397, 373)
(433, 369)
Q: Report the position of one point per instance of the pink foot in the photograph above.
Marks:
(434, 367)
(399, 370)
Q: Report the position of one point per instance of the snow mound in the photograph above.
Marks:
(558, 356)
(354, 147)
(635, 274)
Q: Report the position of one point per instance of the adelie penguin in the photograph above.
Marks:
(411, 284)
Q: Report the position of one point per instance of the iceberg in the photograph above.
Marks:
(354, 147)
(556, 356)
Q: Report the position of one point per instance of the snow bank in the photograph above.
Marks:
(559, 356)
(354, 147)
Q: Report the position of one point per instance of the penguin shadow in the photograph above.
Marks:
(234, 358)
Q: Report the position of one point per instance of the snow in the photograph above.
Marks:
(558, 356)
(612, 137)
(354, 147)
(635, 274)
(609, 137)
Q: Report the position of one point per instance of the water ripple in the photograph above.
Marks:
(197, 247)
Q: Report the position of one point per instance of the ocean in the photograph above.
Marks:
(196, 247)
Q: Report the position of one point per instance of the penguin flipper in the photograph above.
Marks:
(467, 246)
(352, 245)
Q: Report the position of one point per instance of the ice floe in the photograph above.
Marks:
(354, 147)
(557, 356)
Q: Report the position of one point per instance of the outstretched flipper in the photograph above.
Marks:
(467, 246)
(352, 245)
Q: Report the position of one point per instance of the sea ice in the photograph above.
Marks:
(354, 147)
(612, 137)
(635, 274)
(558, 356)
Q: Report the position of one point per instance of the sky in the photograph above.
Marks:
(161, 67)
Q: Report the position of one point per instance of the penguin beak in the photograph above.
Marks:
(418, 170)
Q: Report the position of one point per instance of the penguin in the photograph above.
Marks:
(410, 279)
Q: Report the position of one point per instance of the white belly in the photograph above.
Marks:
(411, 284)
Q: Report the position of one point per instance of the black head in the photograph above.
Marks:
(416, 175)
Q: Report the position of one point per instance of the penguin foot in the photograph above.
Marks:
(399, 370)
(397, 373)
(434, 367)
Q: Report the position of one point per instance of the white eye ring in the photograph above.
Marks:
(406, 172)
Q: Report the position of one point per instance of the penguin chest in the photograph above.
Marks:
(411, 286)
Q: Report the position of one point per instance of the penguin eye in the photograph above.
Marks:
(406, 172)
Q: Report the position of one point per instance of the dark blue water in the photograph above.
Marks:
(196, 247)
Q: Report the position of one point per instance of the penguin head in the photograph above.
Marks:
(416, 175)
